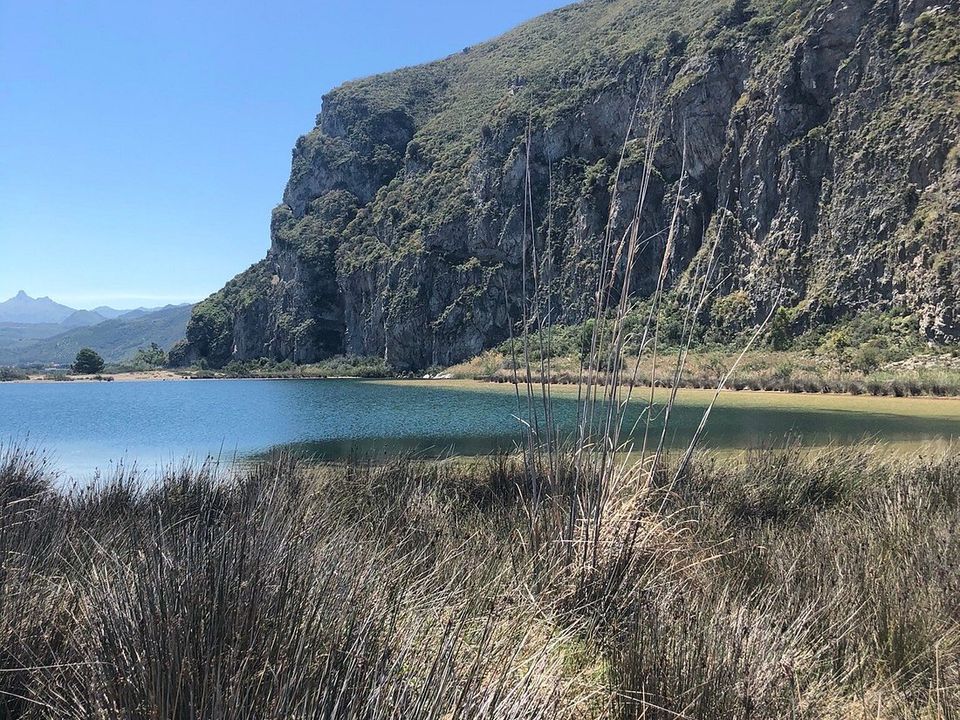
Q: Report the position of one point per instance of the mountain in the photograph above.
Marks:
(138, 312)
(109, 313)
(11, 333)
(25, 310)
(115, 340)
(82, 318)
(816, 139)
(22, 308)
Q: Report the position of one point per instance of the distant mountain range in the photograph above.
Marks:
(22, 308)
(36, 331)
(25, 310)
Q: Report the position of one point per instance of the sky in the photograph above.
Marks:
(143, 144)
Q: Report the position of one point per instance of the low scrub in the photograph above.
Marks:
(353, 366)
(8, 374)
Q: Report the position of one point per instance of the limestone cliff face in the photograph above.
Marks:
(824, 133)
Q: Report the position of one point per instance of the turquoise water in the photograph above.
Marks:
(89, 425)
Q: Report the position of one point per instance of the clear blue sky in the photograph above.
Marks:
(143, 143)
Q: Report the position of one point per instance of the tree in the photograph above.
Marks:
(737, 14)
(151, 357)
(836, 344)
(676, 43)
(779, 335)
(88, 362)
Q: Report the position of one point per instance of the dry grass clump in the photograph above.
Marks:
(783, 584)
(793, 371)
(268, 594)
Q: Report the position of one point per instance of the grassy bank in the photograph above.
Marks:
(782, 584)
(338, 366)
(785, 371)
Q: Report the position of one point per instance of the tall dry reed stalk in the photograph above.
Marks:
(604, 452)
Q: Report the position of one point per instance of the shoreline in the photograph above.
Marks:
(474, 384)
(140, 376)
(165, 375)
(932, 405)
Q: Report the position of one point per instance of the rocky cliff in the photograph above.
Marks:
(824, 133)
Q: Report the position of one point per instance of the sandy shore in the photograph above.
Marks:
(118, 377)
(920, 404)
(157, 375)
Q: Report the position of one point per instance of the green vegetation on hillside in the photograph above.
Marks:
(873, 352)
(211, 324)
(339, 366)
(550, 64)
(816, 141)
(539, 73)
(390, 180)
(8, 374)
(116, 340)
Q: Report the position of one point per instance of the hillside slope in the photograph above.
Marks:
(115, 340)
(824, 132)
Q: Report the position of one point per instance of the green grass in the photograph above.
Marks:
(871, 353)
(780, 584)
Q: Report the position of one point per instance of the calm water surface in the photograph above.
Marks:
(90, 425)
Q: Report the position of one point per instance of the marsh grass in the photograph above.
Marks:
(766, 370)
(784, 583)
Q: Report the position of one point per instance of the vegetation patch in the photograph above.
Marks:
(778, 584)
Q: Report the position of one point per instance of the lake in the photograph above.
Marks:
(88, 425)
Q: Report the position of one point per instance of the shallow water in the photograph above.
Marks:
(96, 425)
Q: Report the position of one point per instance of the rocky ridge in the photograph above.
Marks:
(823, 133)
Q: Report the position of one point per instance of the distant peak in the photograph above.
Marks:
(23, 296)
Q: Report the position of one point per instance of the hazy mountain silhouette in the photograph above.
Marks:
(22, 308)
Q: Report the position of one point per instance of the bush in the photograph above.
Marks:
(8, 373)
(866, 359)
(779, 334)
(760, 587)
(151, 357)
(730, 315)
(676, 43)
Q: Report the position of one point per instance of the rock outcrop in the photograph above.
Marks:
(824, 133)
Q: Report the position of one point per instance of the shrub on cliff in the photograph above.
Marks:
(780, 335)
(179, 354)
(211, 330)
